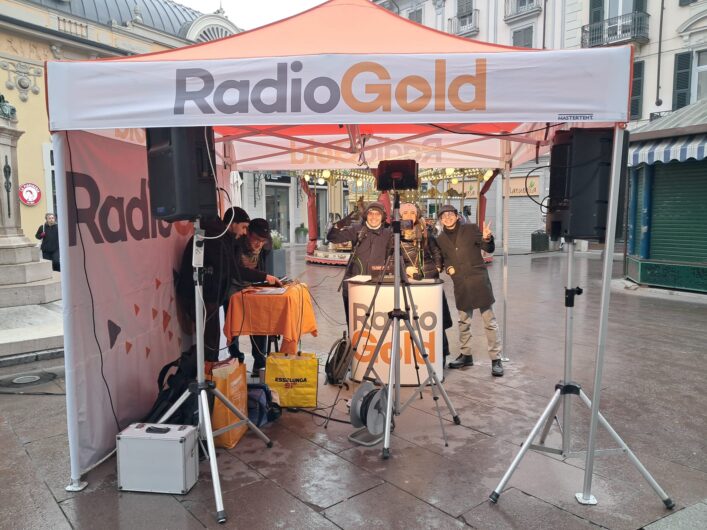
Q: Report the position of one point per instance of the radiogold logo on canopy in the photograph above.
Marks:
(364, 87)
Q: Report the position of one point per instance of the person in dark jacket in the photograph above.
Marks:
(461, 246)
(223, 275)
(422, 258)
(48, 233)
(370, 241)
(251, 251)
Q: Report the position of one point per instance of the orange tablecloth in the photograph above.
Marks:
(289, 314)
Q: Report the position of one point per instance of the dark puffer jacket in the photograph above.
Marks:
(370, 248)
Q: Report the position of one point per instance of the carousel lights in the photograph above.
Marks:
(455, 180)
(488, 174)
(321, 181)
(307, 177)
(326, 174)
(359, 182)
(449, 171)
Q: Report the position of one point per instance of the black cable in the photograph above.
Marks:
(491, 135)
(88, 283)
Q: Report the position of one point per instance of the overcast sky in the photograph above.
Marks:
(249, 14)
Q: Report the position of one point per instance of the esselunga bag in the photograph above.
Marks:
(294, 378)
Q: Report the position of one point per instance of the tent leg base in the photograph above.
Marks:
(76, 485)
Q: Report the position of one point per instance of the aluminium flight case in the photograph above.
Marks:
(158, 458)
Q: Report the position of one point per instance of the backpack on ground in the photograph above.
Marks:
(263, 404)
(338, 361)
(170, 389)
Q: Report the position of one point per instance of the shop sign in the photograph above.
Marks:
(518, 187)
(29, 193)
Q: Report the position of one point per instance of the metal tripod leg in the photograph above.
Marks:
(552, 417)
(632, 457)
(526, 445)
(230, 406)
(206, 424)
(432, 377)
(395, 351)
(376, 352)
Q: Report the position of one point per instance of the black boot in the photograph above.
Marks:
(497, 368)
(462, 361)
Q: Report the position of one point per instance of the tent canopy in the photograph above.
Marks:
(346, 84)
(343, 85)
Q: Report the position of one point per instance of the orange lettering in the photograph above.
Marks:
(382, 101)
(478, 81)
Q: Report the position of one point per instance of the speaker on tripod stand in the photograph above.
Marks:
(580, 171)
(180, 173)
(180, 164)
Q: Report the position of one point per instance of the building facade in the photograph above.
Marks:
(35, 31)
(669, 38)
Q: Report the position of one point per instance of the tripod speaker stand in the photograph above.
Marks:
(203, 388)
(564, 390)
(387, 400)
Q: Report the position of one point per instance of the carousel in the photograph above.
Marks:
(350, 190)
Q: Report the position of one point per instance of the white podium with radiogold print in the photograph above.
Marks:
(427, 296)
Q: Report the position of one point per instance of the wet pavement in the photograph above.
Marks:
(653, 395)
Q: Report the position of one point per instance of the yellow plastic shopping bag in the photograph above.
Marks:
(294, 378)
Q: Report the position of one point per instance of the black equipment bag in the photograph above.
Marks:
(170, 391)
(262, 408)
(338, 361)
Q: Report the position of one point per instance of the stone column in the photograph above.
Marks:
(25, 279)
(11, 234)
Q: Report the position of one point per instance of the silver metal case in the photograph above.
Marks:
(158, 461)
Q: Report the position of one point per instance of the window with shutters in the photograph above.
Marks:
(637, 90)
(681, 80)
(523, 37)
(464, 8)
(416, 15)
(699, 90)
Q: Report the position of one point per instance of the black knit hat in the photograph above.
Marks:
(446, 208)
(235, 215)
(259, 227)
(375, 205)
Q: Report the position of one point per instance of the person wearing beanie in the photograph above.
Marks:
(461, 246)
(237, 220)
(369, 240)
(251, 251)
(421, 258)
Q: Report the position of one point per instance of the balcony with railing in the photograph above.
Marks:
(464, 25)
(631, 27)
(518, 9)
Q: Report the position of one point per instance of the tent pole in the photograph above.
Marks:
(72, 403)
(586, 496)
(505, 234)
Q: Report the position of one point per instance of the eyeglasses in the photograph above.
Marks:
(448, 215)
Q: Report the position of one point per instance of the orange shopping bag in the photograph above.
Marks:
(230, 379)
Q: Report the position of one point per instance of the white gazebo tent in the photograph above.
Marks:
(343, 85)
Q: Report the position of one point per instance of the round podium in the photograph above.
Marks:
(427, 296)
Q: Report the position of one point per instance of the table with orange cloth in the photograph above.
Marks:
(289, 315)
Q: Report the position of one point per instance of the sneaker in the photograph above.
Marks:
(462, 361)
(497, 368)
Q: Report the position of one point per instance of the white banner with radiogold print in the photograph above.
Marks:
(428, 302)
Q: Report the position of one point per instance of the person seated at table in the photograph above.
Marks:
(370, 240)
(422, 258)
(251, 251)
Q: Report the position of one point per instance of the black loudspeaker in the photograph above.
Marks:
(396, 174)
(181, 180)
(580, 174)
